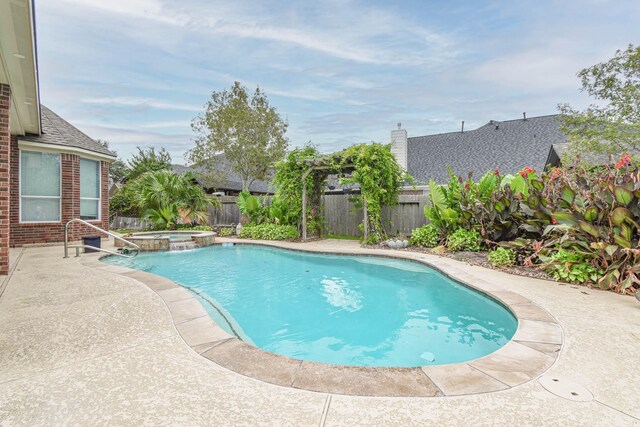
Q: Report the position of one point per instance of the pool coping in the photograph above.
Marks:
(533, 349)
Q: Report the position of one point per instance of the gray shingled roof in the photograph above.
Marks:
(508, 146)
(57, 131)
(557, 151)
(232, 180)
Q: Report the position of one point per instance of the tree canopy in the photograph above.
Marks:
(246, 129)
(148, 160)
(613, 125)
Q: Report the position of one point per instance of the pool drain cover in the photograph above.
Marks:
(565, 388)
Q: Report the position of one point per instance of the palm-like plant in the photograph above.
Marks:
(164, 197)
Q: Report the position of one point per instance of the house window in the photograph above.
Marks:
(39, 187)
(89, 189)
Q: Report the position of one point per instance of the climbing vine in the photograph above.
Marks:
(380, 178)
(288, 182)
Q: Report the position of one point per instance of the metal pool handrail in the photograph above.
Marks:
(115, 236)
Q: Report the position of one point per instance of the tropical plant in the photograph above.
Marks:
(166, 198)
(251, 207)
(444, 211)
(598, 215)
(426, 236)
(502, 257)
(281, 212)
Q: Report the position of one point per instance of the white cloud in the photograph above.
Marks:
(141, 102)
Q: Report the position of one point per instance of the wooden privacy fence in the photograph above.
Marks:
(124, 222)
(339, 214)
(341, 217)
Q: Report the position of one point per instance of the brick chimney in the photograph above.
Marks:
(399, 145)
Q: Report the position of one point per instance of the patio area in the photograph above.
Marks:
(86, 346)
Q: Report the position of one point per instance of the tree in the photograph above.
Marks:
(164, 197)
(246, 129)
(117, 168)
(614, 126)
(148, 160)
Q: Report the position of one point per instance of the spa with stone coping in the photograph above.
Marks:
(164, 240)
(533, 349)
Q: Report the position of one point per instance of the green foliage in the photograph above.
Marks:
(282, 212)
(444, 210)
(251, 207)
(426, 236)
(245, 128)
(269, 231)
(288, 182)
(148, 160)
(597, 213)
(502, 257)
(614, 126)
(166, 198)
(463, 240)
(379, 177)
(570, 266)
(227, 231)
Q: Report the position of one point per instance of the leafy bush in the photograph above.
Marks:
(426, 236)
(268, 231)
(570, 266)
(502, 257)
(461, 239)
(227, 231)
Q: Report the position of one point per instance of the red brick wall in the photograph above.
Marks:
(22, 234)
(5, 136)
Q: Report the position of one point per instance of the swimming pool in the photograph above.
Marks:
(346, 310)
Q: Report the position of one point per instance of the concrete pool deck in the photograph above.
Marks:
(84, 346)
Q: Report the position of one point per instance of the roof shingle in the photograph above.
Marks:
(508, 146)
(57, 131)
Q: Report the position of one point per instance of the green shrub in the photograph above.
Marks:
(426, 236)
(227, 231)
(502, 257)
(269, 232)
(461, 239)
(569, 266)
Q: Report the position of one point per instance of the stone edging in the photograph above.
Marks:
(533, 349)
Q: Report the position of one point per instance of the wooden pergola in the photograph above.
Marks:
(328, 166)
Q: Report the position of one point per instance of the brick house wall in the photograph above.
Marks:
(26, 233)
(5, 136)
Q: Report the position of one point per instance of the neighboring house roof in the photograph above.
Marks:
(508, 146)
(231, 179)
(57, 131)
(557, 150)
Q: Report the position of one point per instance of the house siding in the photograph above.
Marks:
(34, 233)
(5, 137)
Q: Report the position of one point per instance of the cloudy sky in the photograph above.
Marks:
(135, 73)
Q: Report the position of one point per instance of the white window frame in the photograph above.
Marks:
(99, 198)
(20, 195)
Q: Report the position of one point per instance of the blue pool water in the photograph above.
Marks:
(347, 310)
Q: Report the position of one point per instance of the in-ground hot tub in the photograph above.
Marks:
(170, 240)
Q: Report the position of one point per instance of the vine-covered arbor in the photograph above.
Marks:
(302, 177)
(320, 168)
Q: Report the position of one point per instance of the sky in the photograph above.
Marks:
(135, 73)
